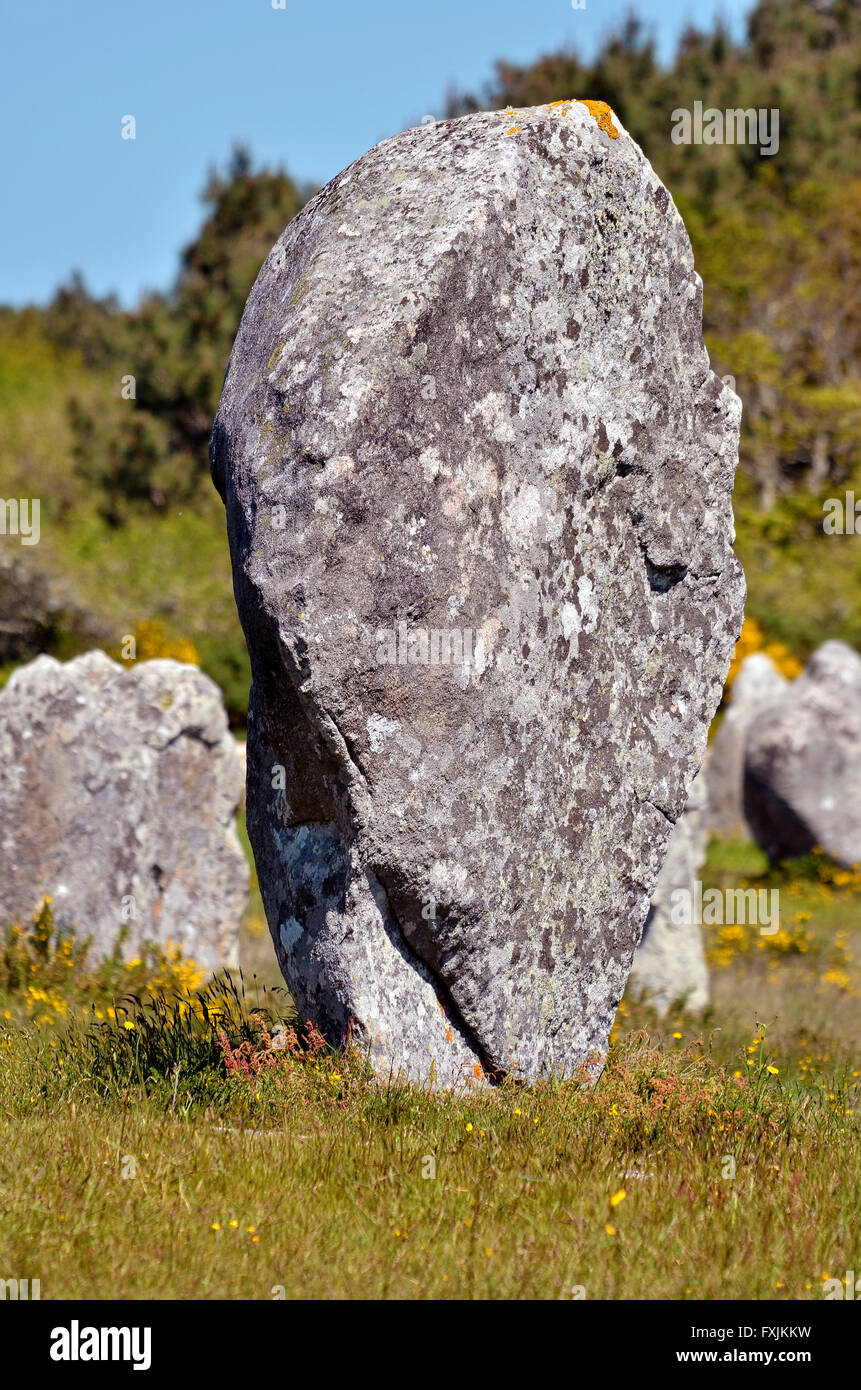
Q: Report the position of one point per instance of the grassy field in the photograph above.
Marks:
(164, 1138)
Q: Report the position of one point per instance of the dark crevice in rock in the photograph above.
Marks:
(645, 801)
(662, 578)
(320, 721)
(192, 733)
(348, 751)
(493, 1073)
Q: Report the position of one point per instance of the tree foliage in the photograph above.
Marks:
(152, 450)
(776, 238)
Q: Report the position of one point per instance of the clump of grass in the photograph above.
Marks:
(48, 974)
(172, 1044)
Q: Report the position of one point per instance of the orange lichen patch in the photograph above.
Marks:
(599, 110)
(602, 114)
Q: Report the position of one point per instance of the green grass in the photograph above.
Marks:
(168, 1148)
(172, 565)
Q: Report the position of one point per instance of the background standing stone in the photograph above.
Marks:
(802, 782)
(757, 685)
(670, 963)
(117, 798)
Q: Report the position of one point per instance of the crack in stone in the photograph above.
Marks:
(444, 996)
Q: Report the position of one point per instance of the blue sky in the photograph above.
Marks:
(310, 86)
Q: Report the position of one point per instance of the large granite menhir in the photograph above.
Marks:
(117, 797)
(478, 480)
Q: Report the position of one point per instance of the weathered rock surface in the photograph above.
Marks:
(757, 685)
(117, 795)
(670, 964)
(469, 396)
(802, 783)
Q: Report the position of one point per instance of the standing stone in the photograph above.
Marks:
(117, 795)
(478, 481)
(757, 685)
(802, 783)
(670, 964)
